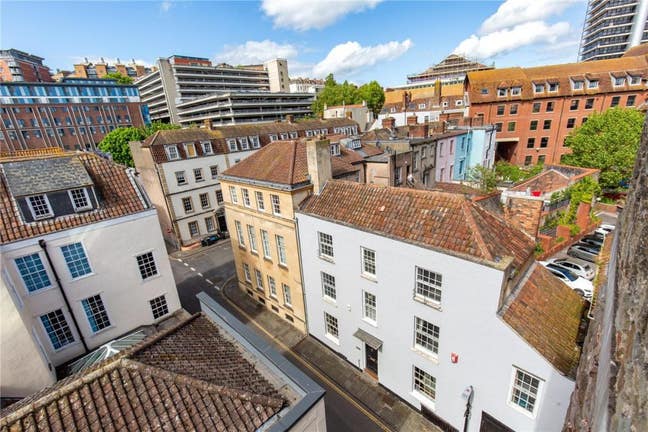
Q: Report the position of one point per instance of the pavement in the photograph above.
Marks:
(354, 401)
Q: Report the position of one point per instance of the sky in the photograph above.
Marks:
(356, 40)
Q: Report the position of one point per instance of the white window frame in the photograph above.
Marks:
(328, 286)
(180, 175)
(284, 136)
(255, 141)
(276, 204)
(243, 142)
(50, 212)
(634, 80)
(592, 84)
(246, 272)
(294, 135)
(421, 331)
(85, 254)
(367, 307)
(207, 147)
(259, 200)
(331, 327)
(575, 82)
(233, 194)
(246, 197)
(287, 296)
(198, 175)
(501, 92)
(252, 237)
(213, 168)
(272, 287)
(614, 81)
(67, 323)
(364, 263)
(273, 137)
(259, 279)
(231, 144)
(239, 233)
(204, 204)
(431, 286)
(553, 91)
(421, 393)
(515, 91)
(209, 224)
(281, 250)
(537, 396)
(265, 244)
(88, 205)
(184, 207)
(105, 309)
(324, 244)
(172, 152)
(188, 146)
(197, 225)
(335, 149)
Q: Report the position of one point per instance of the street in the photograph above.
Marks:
(207, 269)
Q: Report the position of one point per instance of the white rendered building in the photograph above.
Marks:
(83, 262)
(441, 302)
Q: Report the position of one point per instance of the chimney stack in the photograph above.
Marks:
(388, 123)
(419, 130)
(318, 156)
(290, 118)
(412, 120)
(208, 124)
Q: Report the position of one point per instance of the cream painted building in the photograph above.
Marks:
(83, 263)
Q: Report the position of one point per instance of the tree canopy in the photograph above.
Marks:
(121, 79)
(607, 141)
(116, 142)
(346, 93)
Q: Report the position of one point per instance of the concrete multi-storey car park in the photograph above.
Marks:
(83, 262)
(436, 298)
(182, 79)
(74, 114)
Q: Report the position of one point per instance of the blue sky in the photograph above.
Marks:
(358, 40)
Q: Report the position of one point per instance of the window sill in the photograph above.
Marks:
(103, 330)
(153, 277)
(333, 339)
(283, 266)
(253, 252)
(430, 303)
(424, 400)
(370, 322)
(288, 306)
(521, 410)
(38, 291)
(85, 276)
(330, 300)
(369, 277)
(327, 258)
(267, 259)
(428, 355)
(64, 347)
(242, 247)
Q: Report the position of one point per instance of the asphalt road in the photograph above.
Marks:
(208, 268)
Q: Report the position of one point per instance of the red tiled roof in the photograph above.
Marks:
(459, 188)
(448, 222)
(554, 177)
(161, 384)
(546, 313)
(119, 198)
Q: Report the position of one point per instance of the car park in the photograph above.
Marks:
(583, 252)
(578, 267)
(581, 285)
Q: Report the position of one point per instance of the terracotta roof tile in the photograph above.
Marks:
(546, 313)
(180, 380)
(554, 177)
(118, 198)
(443, 221)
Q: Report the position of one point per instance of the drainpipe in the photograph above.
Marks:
(469, 399)
(43, 244)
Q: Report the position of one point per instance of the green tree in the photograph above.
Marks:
(116, 142)
(506, 171)
(121, 79)
(607, 141)
(485, 177)
(374, 95)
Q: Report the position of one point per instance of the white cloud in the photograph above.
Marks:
(350, 57)
(517, 24)
(253, 52)
(507, 40)
(513, 12)
(165, 6)
(307, 14)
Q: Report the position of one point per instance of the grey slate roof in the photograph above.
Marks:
(38, 176)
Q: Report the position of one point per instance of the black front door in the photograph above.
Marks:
(371, 360)
(222, 225)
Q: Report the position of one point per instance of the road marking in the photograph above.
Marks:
(331, 383)
(193, 269)
(185, 264)
(200, 274)
(209, 282)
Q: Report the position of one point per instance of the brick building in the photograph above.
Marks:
(72, 114)
(20, 66)
(534, 109)
(102, 68)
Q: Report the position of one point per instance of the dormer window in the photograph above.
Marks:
(284, 135)
(231, 144)
(634, 79)
(593, 84)
(618, 81)
(40, 207)
(324, 131)
(293, 135)
(243, 142)
(421, 106)
(392, 109)
(553, 87)
(335, 149)
(255, 142)
(459, 102)
(516, 91)
(190, 149)
(577, 85)
(484, 91)
(538, 88)
(273, 137)
(80, 199)
(309, 133)
(172, 152)
(207, 147)
(501, 92)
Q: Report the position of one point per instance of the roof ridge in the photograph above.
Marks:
(147, 342)
(467, 209)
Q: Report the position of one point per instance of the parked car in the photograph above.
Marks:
(581, 285)
(605, 229)
(582, 252)
(593, 241)
(595, 237)
(580, 268)
(594, 248)
(210, 239)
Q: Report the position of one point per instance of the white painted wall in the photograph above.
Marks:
(111, 247)
(469, 326)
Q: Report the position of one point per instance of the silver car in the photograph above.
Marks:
(583, 253)
(580, 268)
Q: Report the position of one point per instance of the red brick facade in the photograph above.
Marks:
(535, 109)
